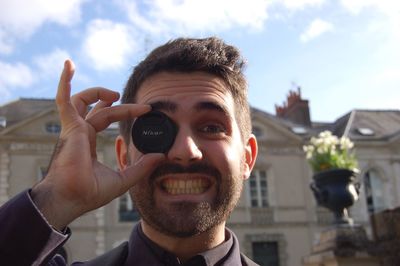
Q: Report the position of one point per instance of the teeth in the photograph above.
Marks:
(189, 186)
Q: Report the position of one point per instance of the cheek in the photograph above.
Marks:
(226, 157)
(236, 161)
(134, 154)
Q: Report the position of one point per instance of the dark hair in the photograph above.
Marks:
(210, 55)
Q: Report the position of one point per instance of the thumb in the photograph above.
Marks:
(141, 168)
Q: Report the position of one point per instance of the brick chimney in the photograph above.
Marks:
(295, 109)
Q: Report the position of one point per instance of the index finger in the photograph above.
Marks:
(83, 99)
(104, 117)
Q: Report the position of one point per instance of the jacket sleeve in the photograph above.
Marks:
(25, 236)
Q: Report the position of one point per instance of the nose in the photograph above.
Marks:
(185, 149)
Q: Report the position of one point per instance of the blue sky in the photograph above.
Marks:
(344, 54)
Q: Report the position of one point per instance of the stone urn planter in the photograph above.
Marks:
(337, 190)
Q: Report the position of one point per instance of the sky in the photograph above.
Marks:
(343, 54)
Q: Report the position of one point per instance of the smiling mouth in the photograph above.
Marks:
(175, 186)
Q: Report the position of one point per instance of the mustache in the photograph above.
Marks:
(194, 168)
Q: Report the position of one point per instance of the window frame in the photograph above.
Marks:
(130, 214)
(259, 189)
(52, 127)
(371, 195)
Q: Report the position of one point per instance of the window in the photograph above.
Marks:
(365, 131)
(258, 188)
(266, 253)
(127, 210)
(373, 185)
(299, 130)
(53, 127)
(3, 121)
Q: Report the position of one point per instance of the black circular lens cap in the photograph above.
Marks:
(153, 132)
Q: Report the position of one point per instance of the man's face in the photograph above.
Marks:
(200, 182)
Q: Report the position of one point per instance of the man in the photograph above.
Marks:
(184, 196)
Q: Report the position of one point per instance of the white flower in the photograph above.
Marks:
(313, 141)
(325, 134)
(333, 140)
(309, 150)
(345, 143)
(327, 151)
(321, 150)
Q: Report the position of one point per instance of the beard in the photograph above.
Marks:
(185, 219)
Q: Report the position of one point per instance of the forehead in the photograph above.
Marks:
(184, 88)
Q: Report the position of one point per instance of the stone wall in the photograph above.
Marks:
(386, 229)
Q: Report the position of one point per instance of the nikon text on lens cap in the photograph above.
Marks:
(153, 132)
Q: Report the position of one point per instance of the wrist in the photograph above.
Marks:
(54, 212)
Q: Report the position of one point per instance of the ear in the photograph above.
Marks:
(121, 150)
(251, 150)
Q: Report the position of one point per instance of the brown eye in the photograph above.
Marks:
(213, 129)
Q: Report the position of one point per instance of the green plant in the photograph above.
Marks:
(329, 152)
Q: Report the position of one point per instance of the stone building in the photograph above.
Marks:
(277, 219)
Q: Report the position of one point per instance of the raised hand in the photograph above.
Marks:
(76, 182)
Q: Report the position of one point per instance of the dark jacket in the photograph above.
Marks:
(27, 239)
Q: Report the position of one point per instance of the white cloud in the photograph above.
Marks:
(315, 29)
(14, 76)
(25, 16)
(21, 18)
(6, 46)
(108, 44)
(171, 16)
(388, 7)
(384, 27)
(50, 65)
(301, 4)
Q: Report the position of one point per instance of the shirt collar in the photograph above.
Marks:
(144, 250)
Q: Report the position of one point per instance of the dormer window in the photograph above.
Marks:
(3, 121)
(299, 130)
(53, 127)
(365, 131)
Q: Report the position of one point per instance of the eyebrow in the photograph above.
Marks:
(164, 106)
(212, 106)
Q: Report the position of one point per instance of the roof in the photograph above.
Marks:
(372, 124)
(285, 123)
(24, 108)
(382, 124)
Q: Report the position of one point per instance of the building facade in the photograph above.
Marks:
(277, 219)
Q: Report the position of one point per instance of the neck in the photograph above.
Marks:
(187, 247)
